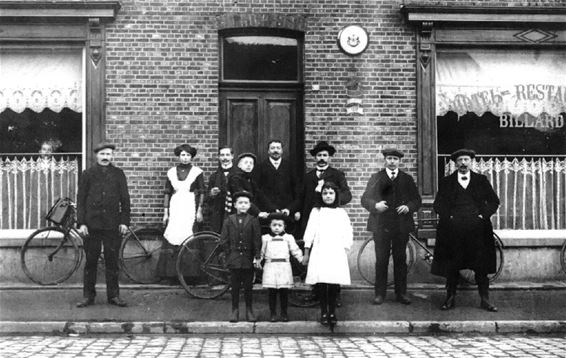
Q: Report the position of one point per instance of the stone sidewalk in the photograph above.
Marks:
(527, 308)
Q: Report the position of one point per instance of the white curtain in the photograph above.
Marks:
(532, 191)
(501, 82)
(29, 187)
(40, 78)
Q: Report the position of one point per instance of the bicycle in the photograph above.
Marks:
(563, 256)
(203, 253)
(366, 257)
(52, 254)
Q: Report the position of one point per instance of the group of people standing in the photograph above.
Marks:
(294, 207)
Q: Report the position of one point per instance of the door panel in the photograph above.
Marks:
(250, 119)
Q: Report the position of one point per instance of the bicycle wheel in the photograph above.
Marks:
(468, 276)
(563, 257)
(301, 294)
(366, 261)
(139, 254)
(50, 256)
(201, 266)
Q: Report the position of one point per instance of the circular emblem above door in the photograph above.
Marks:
(353, 40)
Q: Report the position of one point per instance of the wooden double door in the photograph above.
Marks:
(250, 118)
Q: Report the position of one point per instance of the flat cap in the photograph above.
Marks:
(392, 152)
(278, 216)
(247, 154)
(240, 193)
(103, 145)
(460, 152)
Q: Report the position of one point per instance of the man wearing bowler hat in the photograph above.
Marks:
(103, 215)
(313, 181)
(464, 238)
(391, 197)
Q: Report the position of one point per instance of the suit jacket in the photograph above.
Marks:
(103, 201)
(241, 242)
(279, 186)
(487, 202)
(216, 204)
(240, 181)
(308, 198)
(379, 188)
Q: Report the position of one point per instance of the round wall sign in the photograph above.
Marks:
(353, 39)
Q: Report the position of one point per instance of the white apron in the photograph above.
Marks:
(182, 208)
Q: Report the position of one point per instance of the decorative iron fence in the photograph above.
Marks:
(532, 189)
(29, 187)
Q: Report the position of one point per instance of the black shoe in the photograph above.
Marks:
(250, 315)
(324, 319)
(234, 317)
(117, 301)
(332, 319)
(273, 317)
(284, 317)
(378, 300)
(85, 302)
(404, 299)
(488, 306)
(449, 304)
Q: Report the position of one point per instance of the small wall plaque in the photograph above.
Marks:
(353, 40)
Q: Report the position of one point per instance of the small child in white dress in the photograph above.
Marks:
(328, 237)
(277, 271)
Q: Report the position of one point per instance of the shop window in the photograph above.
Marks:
(510, 106)
(42, 126)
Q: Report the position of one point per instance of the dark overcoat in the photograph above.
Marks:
(486, 201)
(242, 181)
(379, 188)
(279, 186)
(241, 242)
(217, 204)
(307, 197)
(103, 201)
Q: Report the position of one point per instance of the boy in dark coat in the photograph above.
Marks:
(241, 238)
(391, 197)
(464, 238)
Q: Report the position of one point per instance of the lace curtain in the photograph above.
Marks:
(29, 187)
(40, 78)
(532, 191)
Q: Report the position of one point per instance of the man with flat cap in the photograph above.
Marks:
(313, 181)
(103, 215)
(391, 197)
(464, 238)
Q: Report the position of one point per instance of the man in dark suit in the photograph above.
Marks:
(277, 180)
(103, 215)
(391, 197)
(217, 197)
(313, 181)
(464, 238)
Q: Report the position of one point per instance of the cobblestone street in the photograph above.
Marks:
(286, 346)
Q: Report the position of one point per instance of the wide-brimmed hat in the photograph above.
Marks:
(392, 152)
(322, 145)
(103, 145)
(185, 148)
(240, 193)
(460, 152)
(249, 155)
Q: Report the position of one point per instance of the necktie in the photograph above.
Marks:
(319, 172)
(393, 176)
(464, 178)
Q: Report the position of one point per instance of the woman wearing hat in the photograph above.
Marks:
(181, 208)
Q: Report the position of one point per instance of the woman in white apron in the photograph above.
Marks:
(185, 183)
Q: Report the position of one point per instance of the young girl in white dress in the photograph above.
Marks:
(277, 271)
(328, 238)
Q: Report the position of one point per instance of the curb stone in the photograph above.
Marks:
(295, 327)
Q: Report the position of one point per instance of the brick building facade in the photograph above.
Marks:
(161, 73)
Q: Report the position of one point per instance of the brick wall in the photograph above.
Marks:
(162, 86)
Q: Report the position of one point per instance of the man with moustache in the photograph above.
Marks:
(315, 179)
(103, 215)
(391, 197)
(218, 197)
(277, 180)
(464, 238)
